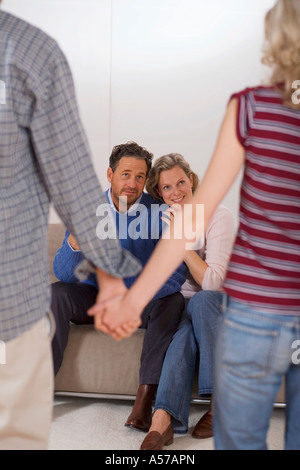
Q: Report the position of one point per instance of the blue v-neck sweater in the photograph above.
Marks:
(138, 230)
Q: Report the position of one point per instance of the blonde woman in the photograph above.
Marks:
(172, 181)
(258, 338)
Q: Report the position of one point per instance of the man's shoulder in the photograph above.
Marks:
(22, 35)
(19, 28)
(149, 201)
(146, 199)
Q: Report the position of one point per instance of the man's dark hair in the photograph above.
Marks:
(130, 149)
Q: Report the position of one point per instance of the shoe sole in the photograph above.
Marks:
(137, 428)
(202, 436)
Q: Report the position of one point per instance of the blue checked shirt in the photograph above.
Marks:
(44, 157)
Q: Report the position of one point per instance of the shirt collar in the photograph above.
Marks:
(131, 208)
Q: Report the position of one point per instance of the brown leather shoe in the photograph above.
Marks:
(155, 441)
(204, 427)
(141, 415)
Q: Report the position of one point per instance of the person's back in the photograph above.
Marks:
(265, 265)
(23, 198)
(43, 151)
(44, 157)
(254, 350)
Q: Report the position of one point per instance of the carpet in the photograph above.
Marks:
(98, 424)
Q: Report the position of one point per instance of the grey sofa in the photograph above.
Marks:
(96, 365)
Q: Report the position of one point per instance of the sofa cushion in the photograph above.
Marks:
(96, 363)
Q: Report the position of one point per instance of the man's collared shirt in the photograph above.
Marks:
(44, 156)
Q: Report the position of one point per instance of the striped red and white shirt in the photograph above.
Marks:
(264, 268)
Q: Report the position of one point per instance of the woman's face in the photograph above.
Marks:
(175, 186)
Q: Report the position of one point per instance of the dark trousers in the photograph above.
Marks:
(160, 318)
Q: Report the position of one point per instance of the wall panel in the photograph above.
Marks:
(156, 71)
(83, 31)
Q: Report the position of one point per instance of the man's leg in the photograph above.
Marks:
(26, 398)
(69, 302)
(161, 319)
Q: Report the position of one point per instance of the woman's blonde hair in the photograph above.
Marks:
(167, 162)
(282, 48)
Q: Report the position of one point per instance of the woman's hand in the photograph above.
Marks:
(115, 316)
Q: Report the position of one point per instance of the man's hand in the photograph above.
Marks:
(111, 290)
(73, 242)
(116, 316)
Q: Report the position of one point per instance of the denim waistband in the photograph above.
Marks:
(246, 310)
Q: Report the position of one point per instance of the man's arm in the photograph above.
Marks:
(73, 243)
(65, 166)
(66, 260)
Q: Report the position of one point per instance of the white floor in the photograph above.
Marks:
(94, 424)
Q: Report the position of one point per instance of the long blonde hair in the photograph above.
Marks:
(167, 162)
(282, 48)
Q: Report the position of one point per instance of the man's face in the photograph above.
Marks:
(128, 180)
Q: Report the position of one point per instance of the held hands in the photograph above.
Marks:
(113, 313)
(113, 316)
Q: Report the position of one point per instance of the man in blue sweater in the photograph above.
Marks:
(138, 226)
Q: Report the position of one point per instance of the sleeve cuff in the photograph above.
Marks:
(84, 269)
(129, 267)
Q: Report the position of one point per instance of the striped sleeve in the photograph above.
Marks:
(242, 123)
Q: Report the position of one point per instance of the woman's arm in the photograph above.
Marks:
(220, 235)
(196, 265)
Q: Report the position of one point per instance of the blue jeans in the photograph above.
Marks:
(196, 334)
(254, 352)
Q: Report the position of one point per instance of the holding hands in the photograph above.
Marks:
(112, 311)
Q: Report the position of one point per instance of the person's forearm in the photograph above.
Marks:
(197, 267)
(109, 286)
(65, 262)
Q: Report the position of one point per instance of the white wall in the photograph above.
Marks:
(156, 71)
